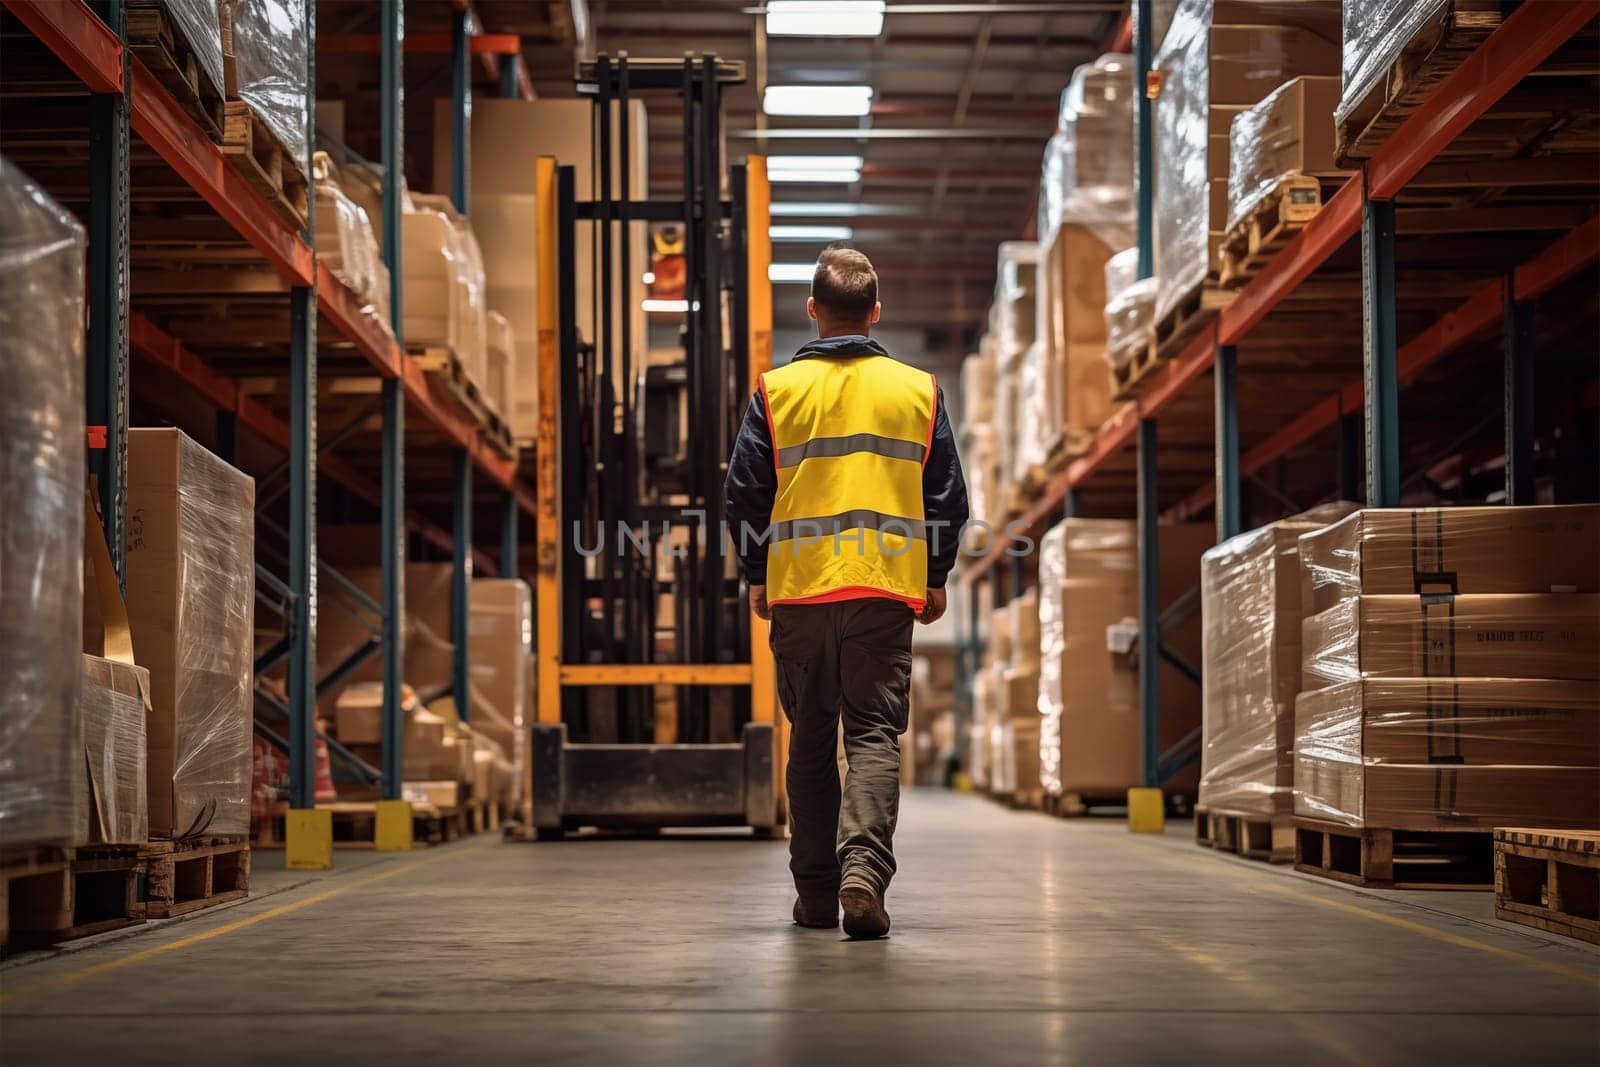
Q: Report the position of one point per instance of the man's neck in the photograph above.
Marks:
(855, 329)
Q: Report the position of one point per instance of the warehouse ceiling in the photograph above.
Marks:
(965, 96)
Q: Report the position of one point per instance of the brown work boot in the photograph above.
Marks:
(818, 913)
(864, 917)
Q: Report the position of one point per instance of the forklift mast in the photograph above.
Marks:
(649, 717)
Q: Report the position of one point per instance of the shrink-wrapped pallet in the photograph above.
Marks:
(1095, 150)
(191, 582)
(347, 244)
(41, 522)
(1250, 665)
(1287, 134)
(1449, 669)
(264, 46)
(1130, 307)
(1013, 316)
(1218, 57)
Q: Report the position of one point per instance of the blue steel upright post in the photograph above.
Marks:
(461, 111)
(460, 580)
(309, 833)
(1519, 382)
(1380, 361)
(1143, 57)
(1225, 376)
(106, 384)
(391, 118)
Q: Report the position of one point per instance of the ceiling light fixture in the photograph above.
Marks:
(811, 233)
(791, 273)
(845, 177)
(814, 162)
(829, 100)
(824, 18)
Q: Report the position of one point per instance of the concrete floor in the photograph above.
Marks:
(1017, 939)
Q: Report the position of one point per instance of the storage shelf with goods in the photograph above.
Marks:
(246, 279)
(1295, 325)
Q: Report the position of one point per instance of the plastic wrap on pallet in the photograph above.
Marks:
(468, 320)
(269, 60)
(1202, 74)
(1013, 316)
(41, 523)
(1052, 643)
(197, 21)
(1130, 307)
(1449, 753)
(1456, 550)
(1052, 182)
(1375, 33)
(977, 389)
(191, 579)
(1038, 420)
(1095, 131)
(114, 702)
(1492, 635)
(1250, 664)
(1276, 139)
(345, 242)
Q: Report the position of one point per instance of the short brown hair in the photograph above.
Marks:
(845, 286)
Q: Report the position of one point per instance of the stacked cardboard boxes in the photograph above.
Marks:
(1089, 693)
(42, 520)
(926, 747)
(989, 708)
(1218, 58)
(1015, 736)
(191, 580)
(1451, 658)
(1250, 665)
(1290, 132)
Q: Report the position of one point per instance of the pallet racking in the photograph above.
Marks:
(1273, 355)
(298, 325)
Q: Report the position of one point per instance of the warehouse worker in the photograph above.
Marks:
(846, 496)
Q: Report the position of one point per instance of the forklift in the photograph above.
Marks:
(655, 696)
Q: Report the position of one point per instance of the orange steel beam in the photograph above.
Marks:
(200, 163)
(77, 37)
(1484, 310)
(431, 44)
(1525, 39)
(586, 674)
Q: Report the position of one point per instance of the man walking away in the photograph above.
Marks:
(847, 497)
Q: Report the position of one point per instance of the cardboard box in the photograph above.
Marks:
(1022, 691)
(1512, 635)
(114, 703)
(1530, 549)
(1449, 753)
(1249, 61)
(1073, 327)
(191, 606)
(1296, 135)
(508, 137)
(1099, 722)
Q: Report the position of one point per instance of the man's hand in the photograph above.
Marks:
(932, 608)
(758, 602)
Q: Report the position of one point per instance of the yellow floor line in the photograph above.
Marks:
(107, 966)
(1274, 883)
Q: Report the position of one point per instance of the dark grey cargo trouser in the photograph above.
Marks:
(852, 658)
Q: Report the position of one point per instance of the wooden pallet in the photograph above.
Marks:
(56, 895)
(355, 825)
(1434, 52)
(1020, 799)
(1257, 837)
(161, 45)
(185, 876)
(1394, 859)
(484, 817)
(1067, 446)
(1261, 235)
(255, 151)
(444, 366)
(1171, 332)
(1550, 880)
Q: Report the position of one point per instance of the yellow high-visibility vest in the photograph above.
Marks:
(850, 437)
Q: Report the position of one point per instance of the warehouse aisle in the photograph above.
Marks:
(1017, 938)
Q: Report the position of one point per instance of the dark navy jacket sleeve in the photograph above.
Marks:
(751, 489)
(944, 498)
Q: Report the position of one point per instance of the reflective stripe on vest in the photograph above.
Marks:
(850, 437)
